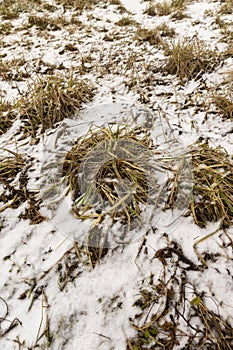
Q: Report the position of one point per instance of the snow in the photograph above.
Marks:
(94, 310)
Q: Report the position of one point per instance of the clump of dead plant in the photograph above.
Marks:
(10, 9)
(149, 35)
(78, 5)
(111, 175)
(213, 186)
(165, 30)
(164, 8)
(10, 166)
(224, 103)
(44, 22)
(168, 318)
(226, 8)
(189, 59)
(126, 21)
(7, 115)
(15, 194)
(151, 10)
(52, 99)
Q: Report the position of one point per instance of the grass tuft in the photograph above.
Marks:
(227, 8)
(151, 36)
(151, 10)
(11, 9)
(51, 100)
(110, 178)
(11, 167)
(126, 21)
(46, 22)
(78, 5)
(189, 59)
(164, 8)
(213, 186)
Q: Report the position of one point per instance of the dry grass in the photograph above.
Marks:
(189, 59)
(151, 10)
(51, 100)
(78, 5)
(110, 178)
(229, 50)
(224, 103)
(164, 8)
(4, 69)
(165, 31)
(213, 186)
(46, 22)
(6, 28)
(7, 116)
(167, 318)
(126, 21)
(11, 69)
(11, 9)
(227, 8)
(152, 36)
(11, 167)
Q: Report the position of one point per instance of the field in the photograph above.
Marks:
(116, 180)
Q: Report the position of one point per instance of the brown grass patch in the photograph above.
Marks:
(52, 99)
(7, 116)
(78, 5)
(117, 171)
(213, 186)
(11, 9)
(189, 59)
(13, 196)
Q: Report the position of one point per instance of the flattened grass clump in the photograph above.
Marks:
(51, 100)
(109, 180)
(189, 59)
(213, 186)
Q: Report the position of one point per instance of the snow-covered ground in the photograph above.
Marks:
(50, 296)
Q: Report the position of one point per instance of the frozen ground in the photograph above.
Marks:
(50, 295)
